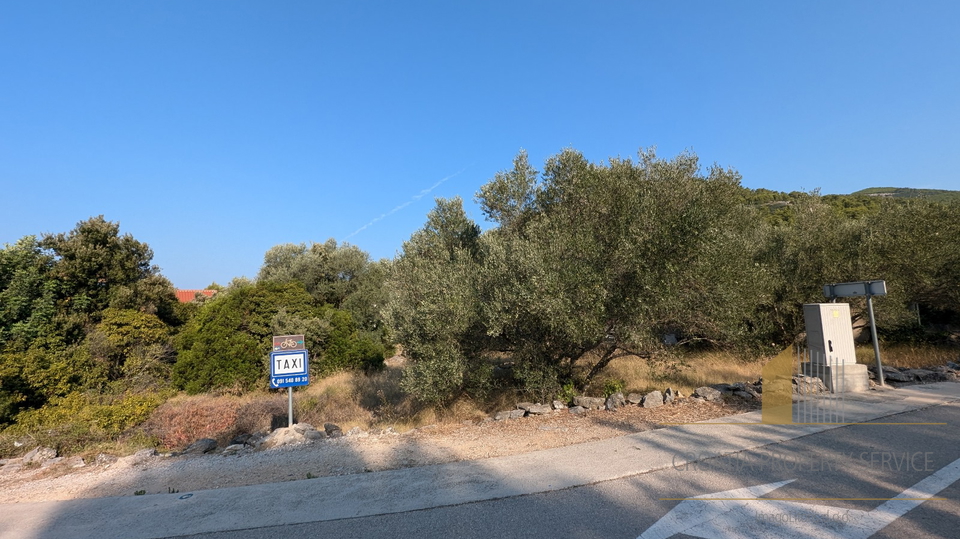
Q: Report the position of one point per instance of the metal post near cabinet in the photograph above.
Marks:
(873, 336)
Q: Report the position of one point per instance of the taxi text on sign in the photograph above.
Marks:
(289, 369)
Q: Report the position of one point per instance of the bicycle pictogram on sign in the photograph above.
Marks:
(288, 343)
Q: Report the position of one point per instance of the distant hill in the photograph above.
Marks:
(854, 206)
(939, 195)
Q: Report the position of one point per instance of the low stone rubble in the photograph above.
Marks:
(903, 376)
(653, 399)
(590, 403)
(808, 385)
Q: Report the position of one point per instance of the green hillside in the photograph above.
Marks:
(938, 195)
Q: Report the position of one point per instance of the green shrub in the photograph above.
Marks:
(613, 386)
(78, 420)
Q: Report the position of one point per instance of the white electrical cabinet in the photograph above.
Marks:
(829, 333)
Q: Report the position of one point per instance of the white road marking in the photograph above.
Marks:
(731, 518)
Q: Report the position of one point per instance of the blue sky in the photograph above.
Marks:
(213, 130)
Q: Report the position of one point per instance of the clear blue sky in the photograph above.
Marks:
(213, 130)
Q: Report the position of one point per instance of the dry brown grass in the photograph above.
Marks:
(184, 419)
(908, 355)
(347, 399)
(686, 374)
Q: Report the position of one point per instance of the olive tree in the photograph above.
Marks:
(587, 262)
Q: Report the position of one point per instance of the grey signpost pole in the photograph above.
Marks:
(289, 407)
(873, 337)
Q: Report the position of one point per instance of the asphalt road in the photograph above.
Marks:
(856, 466)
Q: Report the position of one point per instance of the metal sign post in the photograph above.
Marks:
(868, 289)
(289, 367)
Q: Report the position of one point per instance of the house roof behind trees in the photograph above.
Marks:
(186, 296)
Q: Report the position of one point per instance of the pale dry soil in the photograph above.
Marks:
(347, 455)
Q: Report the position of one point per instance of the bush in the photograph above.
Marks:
(180, 422)
(79, 420)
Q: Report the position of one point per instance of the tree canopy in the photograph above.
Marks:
(589, 261)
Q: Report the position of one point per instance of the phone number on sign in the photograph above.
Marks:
(291, 380)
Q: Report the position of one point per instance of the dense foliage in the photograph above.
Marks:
(92, 337)
(84, 318)
(228, 342)
(589, 261)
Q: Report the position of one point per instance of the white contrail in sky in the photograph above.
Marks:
(415, 198)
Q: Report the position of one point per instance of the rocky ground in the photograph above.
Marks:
(311, 453)
(305, 452)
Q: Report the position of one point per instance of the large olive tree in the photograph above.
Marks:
(587, 261)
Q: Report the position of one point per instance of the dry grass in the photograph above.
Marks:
(693, 371)
(347, 399)
(909, 356)
(182, 420)
(685, 374)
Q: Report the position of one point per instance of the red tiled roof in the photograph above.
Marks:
(186, 296)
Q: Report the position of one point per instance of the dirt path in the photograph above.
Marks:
(347, 455)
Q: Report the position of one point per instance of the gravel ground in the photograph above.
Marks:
(352, 454)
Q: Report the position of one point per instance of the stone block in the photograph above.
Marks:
(845, 378)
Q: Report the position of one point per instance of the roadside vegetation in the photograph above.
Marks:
(590, 277)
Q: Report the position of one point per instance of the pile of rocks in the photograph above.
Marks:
(903, 376)
(653, 399)
(300, 433)
(45, 457)
(808, 385)
(40, 457)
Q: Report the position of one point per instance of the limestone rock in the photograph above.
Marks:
(256, 439)
(577, 410)
(201, 446)
(653, 399)
(241, 439)
(314, 435)
(103, 459)
(75, 462)
(11, 465)
(590, 403)
(808, 385)
(540, 409)
(51, 462)
(726, 390)
(233, 449)
(709, 394)
(283, 437)
(140, 457)
(634, 398)
(39, 455)
(302, 428)
(615, 401)
(924, 375)
(510, 414)
(894, 375)
(333, 431)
